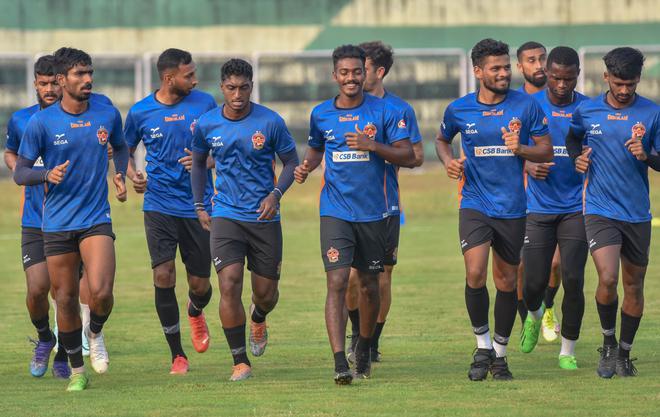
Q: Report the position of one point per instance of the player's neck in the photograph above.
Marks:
(232, 114)
(378, 91)
(560, 101)
(166, 97)
(489, 97)
(531, 88)
(617, 105)
(73, 106)
(346, 102)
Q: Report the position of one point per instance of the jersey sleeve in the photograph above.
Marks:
(282, 140)
(410, 119)
(132, 130)
(32, 144)
(395, 126)
(538, 122)
(577, 123)
(315, 139)
(199, 141)
(448, 127)
(13, 138)
(117, 135)
(655, 133)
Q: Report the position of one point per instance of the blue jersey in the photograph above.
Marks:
(493, 181)
(561, 191)
(244, 152)
(617, 184)
(166, 131)
(354, 181)
(408, 120)
(80, 201)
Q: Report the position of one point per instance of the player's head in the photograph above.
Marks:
(236, 84)
(176, 70)
(348, 72)
(624, 69)
(563, 69)
(531, 63)
(74, 72)
(378, 63)
(492, 65)
(45, 81)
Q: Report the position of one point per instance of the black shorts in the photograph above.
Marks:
(546, 230)
(506, 235)
(634, 238)
(165, 233)
(59, 243)
(234, 240)
(32, 247)
(392, 243)
(360, 245)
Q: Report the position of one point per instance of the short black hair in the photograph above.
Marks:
(45, 65)
(625, 63)
(487, 47)
(527, 46)
(236, 66)
(563, 55)
(379, 53)
(348, 51)
(68, 58)
(172, 58)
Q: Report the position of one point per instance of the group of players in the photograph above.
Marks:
(59, 150)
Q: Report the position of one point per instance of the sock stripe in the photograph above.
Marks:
(501, 339)
(608, 332)
(480, 330)
(175, 328)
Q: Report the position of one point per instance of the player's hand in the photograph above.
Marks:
(139, 182)
(359, 140)
(56, 175)
(582, 162)
(636, 148)
(186, 161)
(268, 207)
(511, 140)
(120, 187)
(110, 152)
(538, 171)
(456, 168)
(301, 172)
(204, 219)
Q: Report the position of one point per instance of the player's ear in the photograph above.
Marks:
(60, 79)
(478, 72)
(606, 76)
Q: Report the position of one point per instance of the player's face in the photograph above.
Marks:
(373, 75)
(495, 73)
(236, 89)
(184, 79)
(562, 80)
(48, 90)
(532, 66)
(349, 75)
(623, 91)
(77, 82)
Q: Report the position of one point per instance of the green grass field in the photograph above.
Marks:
(427, 343)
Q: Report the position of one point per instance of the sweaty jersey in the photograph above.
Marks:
(561, 191)
(244, 152)
(493, 180)
(166, 132)
(80, 201)
(617, 184)
(408, 120)
(354, 189)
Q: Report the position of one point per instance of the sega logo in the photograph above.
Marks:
(560, 151)
(486, 151)
(350, 156)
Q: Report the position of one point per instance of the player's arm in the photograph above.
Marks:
(198, 178)
(443, 149)
(577, 152)
(418, 150)
(268, 207)
(25, 174)
(136, 176)
(398, 153)
(10, 159)
(312, 159)
(540, 152)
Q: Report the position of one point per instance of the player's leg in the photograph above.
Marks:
(538, 250)
(551, 326)
(97, 250)
(162, 237)
(520, 283)
(353, 309)
(196, 256)
(84, 306)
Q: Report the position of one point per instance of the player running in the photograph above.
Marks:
(164, 122)
(498, 127)
(554, 214)
(620, 130)
(76, 214)
(377, 66)
(243, 138)
(357, 133)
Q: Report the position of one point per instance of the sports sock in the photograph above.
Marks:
(484, 341)
(550, 293)
(341, 364)
(499, 344)
(536, 314)
(43, 329)
(198, 302)
(236, 339)
(522, 310)
(168, 313)
(354, 315)
(629, 326)
(84, 310)
(375, 338)
(607, 315)
(60, 355)
(567, 346)
(258, 315)
(72, 342)
(96, 322)
(505, 314)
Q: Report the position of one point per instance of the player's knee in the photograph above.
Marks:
(66, 300)
(476, 275)
(164, 275)
(609, 280)
(634, 289)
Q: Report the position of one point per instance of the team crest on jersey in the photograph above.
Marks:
(102, 135)
(370, 130)
(193, 125)
(545, 121)
(638, 130)
(332, 254)
(515, 125)
(258, 140)
(401, 124)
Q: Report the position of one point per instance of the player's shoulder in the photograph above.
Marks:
(201, 97)
(466, 102)
(103, 108)
(397, 101)
(324, 106)
(646, 104)
(142, 105)
(267, 114)
(100, 98)
(516, 96)
(24, 114)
